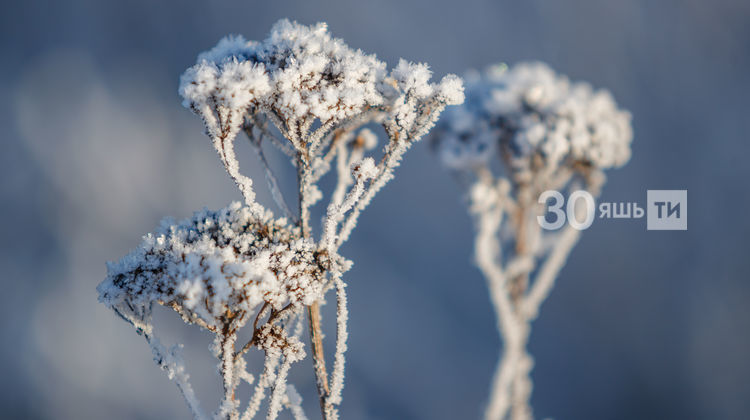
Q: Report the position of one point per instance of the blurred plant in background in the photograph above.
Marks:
(523, 131)
(309, 95)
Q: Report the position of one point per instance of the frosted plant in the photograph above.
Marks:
(523, 131)
(309, 95)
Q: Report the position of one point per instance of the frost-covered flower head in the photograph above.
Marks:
(301, 74)
(298, 71)
(316, 91)
(536, 121)
(216, 268)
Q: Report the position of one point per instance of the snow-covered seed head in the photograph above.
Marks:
(365, 169)
(274, 339)
(310, 74)
(301, 74)
(215, 268)
(535, 121)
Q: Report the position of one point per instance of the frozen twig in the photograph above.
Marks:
(265, 380)
(279, 390)
(293, 402)
(171, 362)
(342, 317)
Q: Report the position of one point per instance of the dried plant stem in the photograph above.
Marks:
(511, 385)
(227, 373)
(166, 360)
(521, 386)
(545, 278)
(313, 311)
(319, 363)
(269, 371)
(302, 183)
(487, 254)
(516, 296)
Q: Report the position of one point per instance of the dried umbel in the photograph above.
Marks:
(299, 77)
(538, 124)
(524, 130)
(217, 268)
(309, 95)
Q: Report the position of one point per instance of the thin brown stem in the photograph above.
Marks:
(304, 210)
(318, 355)
(313, 311)
(227, 372)
(519, 284)
(253, 339)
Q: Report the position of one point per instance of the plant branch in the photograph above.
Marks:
(313, 311)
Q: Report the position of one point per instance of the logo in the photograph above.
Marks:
(665, 210)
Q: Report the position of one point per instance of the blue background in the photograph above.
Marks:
(96, 149)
